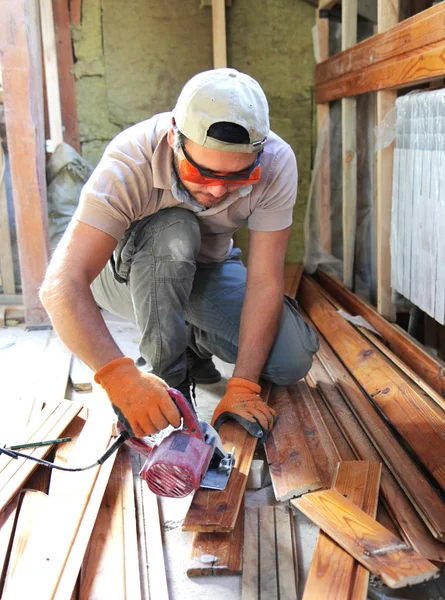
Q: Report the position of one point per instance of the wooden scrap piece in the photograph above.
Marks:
(52, 423)
(336, 384)
(111, 562)
(218, 553)
(212, 510)
(409, 414)
(376, 548)
(333, 573)
(270, 561)
(291, 465)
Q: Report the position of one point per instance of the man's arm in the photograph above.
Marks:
(79, 258)
(263, 302)
(261, 312)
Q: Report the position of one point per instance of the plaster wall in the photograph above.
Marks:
(133, 58)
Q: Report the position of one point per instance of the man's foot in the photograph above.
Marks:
(202, 370)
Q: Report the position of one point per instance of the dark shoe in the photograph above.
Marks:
(202, 370)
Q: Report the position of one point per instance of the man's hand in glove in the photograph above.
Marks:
(243, 403)
(142, 398)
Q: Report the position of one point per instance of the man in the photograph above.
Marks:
(151, 240)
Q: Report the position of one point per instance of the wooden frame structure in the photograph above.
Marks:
(399, 55)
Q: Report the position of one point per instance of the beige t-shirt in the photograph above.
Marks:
(133, 180)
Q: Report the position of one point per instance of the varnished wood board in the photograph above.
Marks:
(212, 510)
(292, 468)
(414, 419)
(376, 548)
(292, 277)
(217, 553)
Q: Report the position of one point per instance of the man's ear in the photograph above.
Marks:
(171, 135)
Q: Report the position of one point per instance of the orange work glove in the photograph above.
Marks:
(141, 397)
(243, 403)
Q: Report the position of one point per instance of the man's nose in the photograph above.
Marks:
(217, 190)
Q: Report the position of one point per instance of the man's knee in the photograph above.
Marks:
(174, 234)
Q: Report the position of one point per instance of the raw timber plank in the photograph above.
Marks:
(218, 553)
(411, 34)
(269, 561)
(219, 34)
(20, 49)
(334, 388)
(414, 419)
(16, 471)
(7, 524)
(211, 510)
(333, 573)
(291, 465)
(109, 559)
(292, 277)
(403, 345)
(376, 548)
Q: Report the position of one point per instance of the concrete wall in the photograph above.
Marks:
(133, 59)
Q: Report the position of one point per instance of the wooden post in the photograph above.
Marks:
(388, 16)
(6, 262)
(219, 34)
(51, 74)
(323, 128)
(20, 52)
(349, 150)
(67, 83)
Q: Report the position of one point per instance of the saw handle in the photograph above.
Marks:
(191, 425)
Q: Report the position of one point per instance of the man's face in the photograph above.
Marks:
(217, 161)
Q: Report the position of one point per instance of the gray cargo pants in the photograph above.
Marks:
(155, 281)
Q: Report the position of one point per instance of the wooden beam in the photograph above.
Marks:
(20, 52)
(75, 11)
(51, 74)
(219, 34)
(349, 151)
(429, 368)
(400, 405)
(376, 548)
(6, 262)
(65, 62)
(407, 54)
(388, 17)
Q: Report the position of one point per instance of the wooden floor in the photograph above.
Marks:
(40, 355)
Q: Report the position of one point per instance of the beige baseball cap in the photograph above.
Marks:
(223, 95)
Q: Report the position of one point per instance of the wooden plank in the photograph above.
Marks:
(376, 548)
(6, 261)
(349, 151)
(387, 45)
(75, 11)
(388, 17)
(250, 582)
(291, 465)
(51, 73)
(108, 557)
(333, 572)
(335, 387)
(81, 376)
(20, 52)
(413, 68)
(16, 471)
(211, 510)
(219, 34)
(292, 277)
(65, 62)
(218, 553)
(268, 580)
(287, 564)
(8, 519)
(430, 369)
(409, 413)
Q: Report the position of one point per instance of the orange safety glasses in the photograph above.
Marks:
(190, 171)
